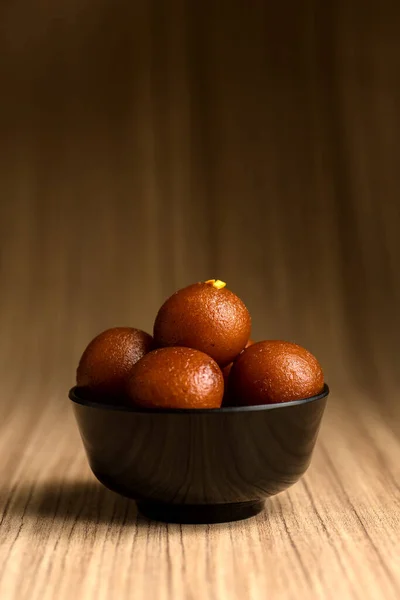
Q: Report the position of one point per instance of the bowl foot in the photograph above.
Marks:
(200, 513)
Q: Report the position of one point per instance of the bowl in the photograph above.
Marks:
(199, 466)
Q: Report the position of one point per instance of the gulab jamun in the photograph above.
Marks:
(207, 317)
(176, 377)
(274, 371)
(106, 364)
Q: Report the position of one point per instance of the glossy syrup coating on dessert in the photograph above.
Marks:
(106, 364)
(274, 371)
(176, 377)
(207, 317)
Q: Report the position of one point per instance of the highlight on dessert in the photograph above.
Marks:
(201, 355)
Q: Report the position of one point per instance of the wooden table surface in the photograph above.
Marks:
(147, 145)
(333, 534)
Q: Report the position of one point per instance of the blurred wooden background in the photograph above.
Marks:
(147, 145)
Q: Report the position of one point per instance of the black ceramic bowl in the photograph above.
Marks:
(199, 466)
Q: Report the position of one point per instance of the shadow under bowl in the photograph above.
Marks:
(199, 466)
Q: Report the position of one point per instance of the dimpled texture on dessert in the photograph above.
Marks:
(176, 378)
(274, 371)
(207, 317)
(106, 364)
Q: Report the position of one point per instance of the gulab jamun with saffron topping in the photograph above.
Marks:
(207, 317)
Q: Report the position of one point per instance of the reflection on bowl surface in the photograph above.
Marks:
(199, 466)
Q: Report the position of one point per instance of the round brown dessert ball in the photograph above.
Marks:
(274, 371)
(207, 317)
(106, 364)
(176, 378)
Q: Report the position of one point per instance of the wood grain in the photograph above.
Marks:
(335, 532)
(146, 145)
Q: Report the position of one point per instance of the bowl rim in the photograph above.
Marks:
(76, 399)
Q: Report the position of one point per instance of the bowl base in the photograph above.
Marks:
(197, 514)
